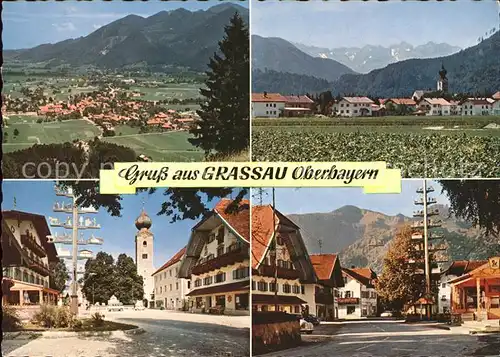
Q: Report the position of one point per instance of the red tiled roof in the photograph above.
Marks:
(238, 221)
(437, 101)
(496, 95)
(477, 101)
(176, 258)
(323, 265)
(358, 100)
(403, 101)
(268, 97)
(262, 231)
(364, 275)
(298, 99)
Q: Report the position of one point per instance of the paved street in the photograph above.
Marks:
(167, 334)
(391, 339)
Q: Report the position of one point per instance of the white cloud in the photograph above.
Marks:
(65, 26)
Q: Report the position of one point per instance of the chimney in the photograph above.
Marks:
(265, 94)
(353, 266)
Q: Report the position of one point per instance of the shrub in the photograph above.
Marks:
(54, 316)
(97, 319)
(10, 318)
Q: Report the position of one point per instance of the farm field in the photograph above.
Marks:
(171, 146)
(173, 91)
(466, 151)
(31, 133)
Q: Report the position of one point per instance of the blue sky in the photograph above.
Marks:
(354, 23)
(118, 232)
(28, 24)
(313, 200)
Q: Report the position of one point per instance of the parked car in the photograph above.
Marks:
(115, 307)
(139, 306)
(312, 319)
(306, 327)
(386, 314)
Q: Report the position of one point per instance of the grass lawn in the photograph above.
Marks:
(31, 133)
(170, 146)
(178, 91)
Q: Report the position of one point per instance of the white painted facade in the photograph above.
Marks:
(345, 108)
(444, 295)
(366, 297)
(267, 109)
(144, 261)
(471, 107)
(234, 302)
(170, 291)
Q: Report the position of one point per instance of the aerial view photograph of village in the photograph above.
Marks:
(414, 84)
(88, 275)
(96, 83)
(387, 275)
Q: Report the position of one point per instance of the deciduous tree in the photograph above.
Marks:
(476, 201)
(399, 285)
(59, 275)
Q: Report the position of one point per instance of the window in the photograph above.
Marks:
(199, 302)
(144, 256)
(189, 284)
(272, 287)
(275, 105)
(160, 289)
(262, 286)
(296, 289)
(241, 301)
(302, 289)
(170, 272)
(443, 285)
(207, 280)
(253, 285)
(345, 279)
(144, 244)
(351, 310)
(170, 287)
(297, 309)
(197, 283)
(176, 286)
(221, 277)
(287, 288)
(347, 294)
(241, 273)
(220, 250)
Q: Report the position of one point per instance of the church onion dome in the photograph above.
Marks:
(143, 221)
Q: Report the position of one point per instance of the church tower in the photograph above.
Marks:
(144, 253)
(442, 83)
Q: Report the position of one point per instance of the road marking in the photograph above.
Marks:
(362, 348)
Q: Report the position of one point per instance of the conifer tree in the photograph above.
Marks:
(224, 124)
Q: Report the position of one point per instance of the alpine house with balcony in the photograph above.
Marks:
(217, 261)
(281, 267)
(27, 255)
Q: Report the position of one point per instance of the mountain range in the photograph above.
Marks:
(276, 54)
(356, 234)
(177, 38)
(367, 58)
(474, 70)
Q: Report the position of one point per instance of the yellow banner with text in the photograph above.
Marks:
(374, 177)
